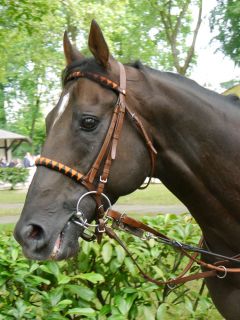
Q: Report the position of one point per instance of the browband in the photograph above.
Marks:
(97, 78)
(59, 167)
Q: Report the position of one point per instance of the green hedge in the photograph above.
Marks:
(102, 282)
(14, 175)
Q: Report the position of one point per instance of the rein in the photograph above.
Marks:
(96, 178)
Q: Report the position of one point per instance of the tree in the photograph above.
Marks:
(24, 84)
(176, 20)
(225, 21)
(153, 31)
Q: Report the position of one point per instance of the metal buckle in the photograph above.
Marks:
(101, 230)
(103, 181)
(171, 287)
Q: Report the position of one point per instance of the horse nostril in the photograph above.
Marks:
(35, 232)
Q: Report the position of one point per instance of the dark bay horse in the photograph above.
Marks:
(195, 132)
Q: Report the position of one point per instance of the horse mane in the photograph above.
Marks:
(183, 81)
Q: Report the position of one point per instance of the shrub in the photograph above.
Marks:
(14, 175)
(102, 282)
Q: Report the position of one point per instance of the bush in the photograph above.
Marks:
(14, 175)
(102, 282)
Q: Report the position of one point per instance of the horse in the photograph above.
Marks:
(170, 128)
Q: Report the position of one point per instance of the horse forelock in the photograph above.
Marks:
(87, 65)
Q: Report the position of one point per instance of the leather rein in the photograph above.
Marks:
(97, 177)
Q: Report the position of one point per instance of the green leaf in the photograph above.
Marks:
(86, 247)
(130, 266)
(14, 254)
(117, 317)
(92, 277)
(162, 311)
(63, 279)
(88, 312)
(148, 313)
(123, 304)
(34, 267)
(56, 295)
(36, 280)
(107, 252)
(105, 310)
(82, 292)
(159, 273)
(53, 268)
(50, 267)
(64, 303)
(120, 254)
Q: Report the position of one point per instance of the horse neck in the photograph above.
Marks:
(197, 160)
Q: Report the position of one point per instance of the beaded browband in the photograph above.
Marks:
(60, 167)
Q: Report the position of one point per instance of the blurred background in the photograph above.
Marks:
(199, 39)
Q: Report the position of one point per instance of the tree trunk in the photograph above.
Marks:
(3, 120)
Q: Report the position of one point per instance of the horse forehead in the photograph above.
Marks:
(86, 89)
(87, 92)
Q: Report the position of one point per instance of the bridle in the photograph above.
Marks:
(97, 177)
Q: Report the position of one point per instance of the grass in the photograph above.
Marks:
(8, 227)
(155, 194)
(12, 196)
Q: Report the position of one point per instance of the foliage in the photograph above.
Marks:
(14, 175)
(31, 48)
(24, 79)
(156, 32)
(225, 20)
(102, 282)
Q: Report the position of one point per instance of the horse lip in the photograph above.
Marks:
(66, 244)
(57, 246)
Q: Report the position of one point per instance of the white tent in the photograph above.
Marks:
(9, 141)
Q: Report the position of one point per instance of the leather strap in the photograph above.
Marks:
(136, 227)
(178, 280)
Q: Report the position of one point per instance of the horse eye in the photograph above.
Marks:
(88, 123)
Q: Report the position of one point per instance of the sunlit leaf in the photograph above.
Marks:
(82, 311)
(92, 277)
(107, 252)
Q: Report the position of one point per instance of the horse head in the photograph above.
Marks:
(77, 129)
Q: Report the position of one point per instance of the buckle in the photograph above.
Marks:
(103, 180)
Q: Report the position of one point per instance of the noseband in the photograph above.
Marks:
(95, 180)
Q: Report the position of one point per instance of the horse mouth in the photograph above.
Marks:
(66, 244)
(57, 249)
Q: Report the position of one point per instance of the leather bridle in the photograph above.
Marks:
(97, 177)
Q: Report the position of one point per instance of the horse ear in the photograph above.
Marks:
(70, 51)
(98, 45)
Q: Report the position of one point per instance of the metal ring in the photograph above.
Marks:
(81, 215)
(225, 272)
(171, 287)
